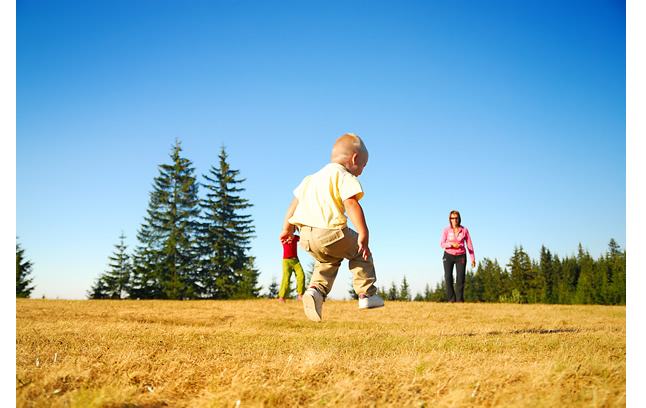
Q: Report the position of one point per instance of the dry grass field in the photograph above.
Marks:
(262, 353)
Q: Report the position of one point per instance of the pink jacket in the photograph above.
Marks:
(448, 238)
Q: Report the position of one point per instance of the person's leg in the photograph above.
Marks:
(300, 277)
(284, 284)
(326, 266)
(460, 268)
(448, 261)
(363, 271)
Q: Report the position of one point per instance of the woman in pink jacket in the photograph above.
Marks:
(454, 239)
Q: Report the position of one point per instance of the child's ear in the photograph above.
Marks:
(354, 158)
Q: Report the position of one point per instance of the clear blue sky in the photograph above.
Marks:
(511, 112)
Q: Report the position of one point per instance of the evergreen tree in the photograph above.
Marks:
(392, 292)
(427, 293)
(272, 291)
(99, 289)
(491, 276)
(473, 287)
(520, 267)
(23, 274)
(382, 292)
(247, 287)
(585, 287)
(404, 290)
(439, 293)
(616, 263)
(548, 274)
(166, 260)
(117, 278)
(418, 297)
(568, 277)
(225, 235)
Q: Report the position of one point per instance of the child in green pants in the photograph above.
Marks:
(291, 263)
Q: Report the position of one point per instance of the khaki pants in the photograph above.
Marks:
(329, 248)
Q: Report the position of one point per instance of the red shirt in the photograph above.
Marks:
(289, 248)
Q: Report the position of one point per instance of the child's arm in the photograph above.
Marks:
(355, 212)
(288, 229)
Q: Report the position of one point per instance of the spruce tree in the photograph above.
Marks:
(99, 289)
(166, 260)
(616, 260)
(226, 269)
(520, 267)
(23, 274)
(585, 287)
(392, 292)
(547, 272)
(427, 293)
(117, 278)
(404, 290)
(272, 290)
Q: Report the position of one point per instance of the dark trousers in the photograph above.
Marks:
(460, 262)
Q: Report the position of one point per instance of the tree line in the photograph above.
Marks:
(577, 279)
(192, 247)
(188, 247)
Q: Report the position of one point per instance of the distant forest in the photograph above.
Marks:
(577, 279)
(197, 248)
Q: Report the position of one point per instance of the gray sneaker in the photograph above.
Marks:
(312, 304)
(371, 302)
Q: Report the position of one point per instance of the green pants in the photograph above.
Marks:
(289, 265)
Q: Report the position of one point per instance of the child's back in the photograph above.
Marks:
(318, 210)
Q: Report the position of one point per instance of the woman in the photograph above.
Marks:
(454, 238)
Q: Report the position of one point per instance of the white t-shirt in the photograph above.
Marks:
(320, 197)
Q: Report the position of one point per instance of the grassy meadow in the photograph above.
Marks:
(263, 353)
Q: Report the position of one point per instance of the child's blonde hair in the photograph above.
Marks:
(347, 145)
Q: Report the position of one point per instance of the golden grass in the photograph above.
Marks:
(262, 353)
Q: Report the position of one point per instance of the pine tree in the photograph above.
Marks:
(547, 272)
(117, 278)
(272, 290)
(616, 261)
(427, 293)
(404, 290)
(225, 236)
(247, 286)
(166, 260)
(392, 292)
(23, 272)
(585, 284)
(439, 293)
(520, 267)
(491, 276)
(382, 292)
(99, 289)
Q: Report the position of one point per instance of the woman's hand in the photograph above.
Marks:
(473, 263)
(455, 245)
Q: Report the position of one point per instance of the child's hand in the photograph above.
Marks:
(286, 236)
(363, 247)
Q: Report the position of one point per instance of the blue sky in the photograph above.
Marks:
(512, 113)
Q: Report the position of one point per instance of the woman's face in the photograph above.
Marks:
(454, 220)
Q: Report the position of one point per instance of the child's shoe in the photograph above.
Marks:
(312, 304)
(371, 302)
